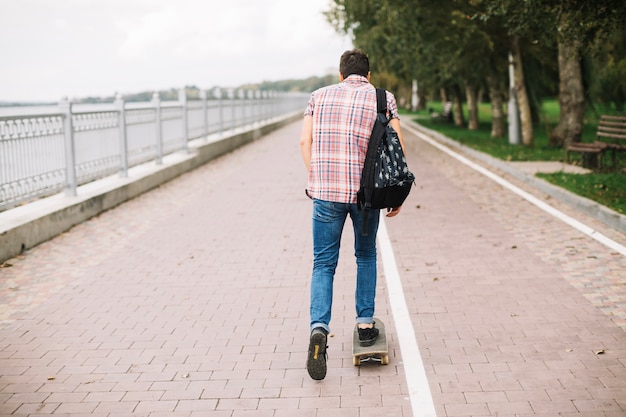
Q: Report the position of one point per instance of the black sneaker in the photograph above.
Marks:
(367, 337)
(316, 361)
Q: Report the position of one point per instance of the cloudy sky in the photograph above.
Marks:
(77, 48)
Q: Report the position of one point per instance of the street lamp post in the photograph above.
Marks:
(514, 122)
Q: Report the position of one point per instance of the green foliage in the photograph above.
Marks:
(543, 21)
(606, 72)
(456, 43)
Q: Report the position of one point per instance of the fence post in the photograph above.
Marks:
(121, 120)
(258, 106)
(218, 94)
(244, 103)
(65, 108)
(156, 102)
(182, 99)
(250, 101)
(205, 114)
(232, 95)
(250, 98)
(265, 107)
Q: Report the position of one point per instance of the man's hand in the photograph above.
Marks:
(391, 212)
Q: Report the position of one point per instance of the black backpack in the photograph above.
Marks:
(386, 180)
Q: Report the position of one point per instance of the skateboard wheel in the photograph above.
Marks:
(384, 360)
(356, 361)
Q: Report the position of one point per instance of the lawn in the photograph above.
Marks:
(607, 188)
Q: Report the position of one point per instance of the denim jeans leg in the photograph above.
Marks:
(328, 222)
(365, 253)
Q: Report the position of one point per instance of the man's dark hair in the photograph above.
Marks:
(354, 62)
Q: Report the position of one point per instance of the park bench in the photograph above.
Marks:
(612, 129)
(445, 115)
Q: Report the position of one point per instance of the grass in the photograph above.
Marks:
(607, 188)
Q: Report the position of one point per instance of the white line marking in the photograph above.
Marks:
(528, 197)
(419, 391)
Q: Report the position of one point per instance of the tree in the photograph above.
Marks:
(572, 25)
(434, 41)
(523, 100)
(462, 45)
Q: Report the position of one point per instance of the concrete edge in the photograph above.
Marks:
(24, 227)
(602, 213)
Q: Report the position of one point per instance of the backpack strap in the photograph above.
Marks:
(381, 101)
(367, 180)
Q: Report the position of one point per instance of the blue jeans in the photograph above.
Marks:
(328, 221)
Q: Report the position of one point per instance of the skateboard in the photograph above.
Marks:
(378, 352)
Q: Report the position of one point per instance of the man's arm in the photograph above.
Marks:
(395, 123)
(306, 141)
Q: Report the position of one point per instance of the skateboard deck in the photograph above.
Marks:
(378, 352)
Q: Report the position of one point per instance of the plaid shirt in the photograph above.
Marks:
(343, 118)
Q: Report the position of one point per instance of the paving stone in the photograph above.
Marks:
(192, 300)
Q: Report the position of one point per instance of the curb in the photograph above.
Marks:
(602, 213)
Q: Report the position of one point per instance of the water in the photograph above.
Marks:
(76, 108)
(26, 110)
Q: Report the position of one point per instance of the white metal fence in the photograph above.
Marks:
(42, 154)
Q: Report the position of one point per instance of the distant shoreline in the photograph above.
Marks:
(26, 103)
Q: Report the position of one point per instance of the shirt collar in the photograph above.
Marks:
(355, 79)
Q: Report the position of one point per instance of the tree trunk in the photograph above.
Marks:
(444, 95)
(571, 95)
(523, 102)
(457, 106)
(498, 123)
(422, 100)
(472, 106)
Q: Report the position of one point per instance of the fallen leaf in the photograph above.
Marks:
(599, 352)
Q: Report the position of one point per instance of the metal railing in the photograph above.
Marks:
(71, 145)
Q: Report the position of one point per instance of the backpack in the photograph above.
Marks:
(386, 180)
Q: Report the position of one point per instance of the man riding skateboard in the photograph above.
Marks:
(337, 125)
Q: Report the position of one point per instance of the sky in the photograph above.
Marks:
(52, 49)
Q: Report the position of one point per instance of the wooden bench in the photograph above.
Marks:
(610, 128)
(445, 115)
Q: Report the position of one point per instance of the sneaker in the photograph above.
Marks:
(367, 337)
(316, 361)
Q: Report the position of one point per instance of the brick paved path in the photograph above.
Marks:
(192, 300)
